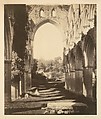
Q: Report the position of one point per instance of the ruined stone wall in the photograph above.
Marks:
(77, 22)
(14, 40)
(81, 40)
(80, 21)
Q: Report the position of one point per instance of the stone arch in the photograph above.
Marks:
(89, 48)
(89, 68)
(42, 23)
(35, 28)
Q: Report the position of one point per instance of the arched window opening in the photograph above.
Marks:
(53, 13)
(42, 13)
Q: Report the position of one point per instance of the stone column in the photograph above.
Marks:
(20, 88)
(88, 80)
(30, 79)
(72, 80)
(7, 88)
(67, 80)
(24, 82)
(27, 80)
(79, 81)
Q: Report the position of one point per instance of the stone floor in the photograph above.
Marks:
(52, 99)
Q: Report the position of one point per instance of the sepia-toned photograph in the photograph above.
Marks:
(50, 59)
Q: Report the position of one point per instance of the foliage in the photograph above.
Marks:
(54, 67)
(35, 65)
(16, 66)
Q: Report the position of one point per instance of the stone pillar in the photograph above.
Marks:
(23, 85)
(30, 78)
(24, 81)
(67, 80)
(20, 88)
(26, 78)
(7, 90)
(79, 81)
(72, 80)
(88, 80)
(27, 81)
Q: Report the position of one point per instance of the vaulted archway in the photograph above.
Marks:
(48, 42)
(54, 27)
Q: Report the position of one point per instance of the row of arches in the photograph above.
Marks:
(80, 66)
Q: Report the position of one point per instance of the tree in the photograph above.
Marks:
(16, 66)
(35, 65)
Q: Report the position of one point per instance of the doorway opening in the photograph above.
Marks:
(48, 52)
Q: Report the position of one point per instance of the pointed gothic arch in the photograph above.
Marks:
(42, 23)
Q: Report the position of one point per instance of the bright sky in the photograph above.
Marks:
(48, 42)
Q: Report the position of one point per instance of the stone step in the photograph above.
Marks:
(51, 95)
(39, 98)
(45, 93)
(47, 90)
